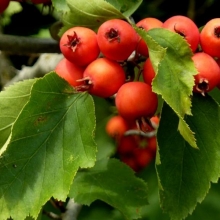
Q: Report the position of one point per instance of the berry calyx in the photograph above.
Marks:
(208, 73)
(73, 41)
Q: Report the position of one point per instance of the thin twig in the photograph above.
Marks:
(26, 45)
(141, 133)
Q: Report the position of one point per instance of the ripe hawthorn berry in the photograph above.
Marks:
(210, 37)
(70, 72)
(79, 45)
(152, 145)
(3, 5)
(126, 145)
(218, 62)
(136, 100)
(117, 39)
(116, 127)
(143, 157)
(103, 77)
(146, 24)
(148, 72)
(208, 72)
(186, 27)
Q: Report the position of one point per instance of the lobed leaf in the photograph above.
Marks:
(12, 100)
(125, 6)
(60, 5)
(114, 183)
(185, 173)
(52, 137)
(171, 58)
(89, 14)
(105, 144)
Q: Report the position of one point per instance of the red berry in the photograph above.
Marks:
(116, 127)
(135, 100)
(146, 24)
(148, 72)
(142, 157)
(79, 45)
(3, 5)
(104, 77)
(210, 37)
(185, 27)
(126, 145)
(117, 39)
(70, 72)
(208, 72)
(152, 145)
(218, 62)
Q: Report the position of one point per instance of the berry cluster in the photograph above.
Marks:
(205, 46)
(100, 63)
(134, 147)
(109, 63)
(5, 3)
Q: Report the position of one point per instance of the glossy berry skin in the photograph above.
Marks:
(152, 145)
(70, 72)
(116, 127)
(210, 37)
(146, 24)
(126, 145)
(186, 28)
(79, 45)
(3, 5)
(135, 100)
(218, 62)
(148, 72)
(104, 77)
(208, 72)
(142, 157)
(117, 39)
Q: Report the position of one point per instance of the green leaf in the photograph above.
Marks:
(60, 5)
(210, 207)
(171, 58)
(126, 7)
(187, 133)
(52, 137)
(215, 93)
(175, 69)
(185, 173)
(12, 100)
(114, 183)
(105, 144)
(89, 14)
